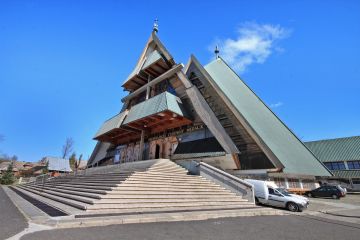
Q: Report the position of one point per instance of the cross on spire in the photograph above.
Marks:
(156, 26)
(216, 52)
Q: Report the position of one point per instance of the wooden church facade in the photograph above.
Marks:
(202, 113)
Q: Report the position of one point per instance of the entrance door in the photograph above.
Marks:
(157, 151)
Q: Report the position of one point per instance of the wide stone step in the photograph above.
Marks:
(204, 201)
(56, 204)
(119, 173)
(69, 202)
(162, 174)
(169, 184)
(165, 187)
(85, 187)
(180, 171)
(169, 167)
(71, 192)
(170, 196)
(165, 175)
(92, 178)
(165, 180)
(99, 184)
(166, 168)
(64, 195)
(162, 205)
(80, 189)
(172, 209)
(173, 191)
(170, 189)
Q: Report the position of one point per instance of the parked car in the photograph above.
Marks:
(287, 193)
(267, 194)
(334, 192)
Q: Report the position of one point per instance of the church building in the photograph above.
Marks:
(198, 112)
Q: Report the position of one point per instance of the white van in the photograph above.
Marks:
(269, 194)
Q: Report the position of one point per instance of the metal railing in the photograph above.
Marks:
(226, 180)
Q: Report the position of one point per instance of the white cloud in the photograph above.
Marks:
(254, 43)
(276, 105)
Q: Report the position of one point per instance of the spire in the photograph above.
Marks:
(156, 26)
(216, 52)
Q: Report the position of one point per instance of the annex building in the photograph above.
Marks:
(206, 113)
(342, 157)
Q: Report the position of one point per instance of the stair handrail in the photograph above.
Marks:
(233, 183)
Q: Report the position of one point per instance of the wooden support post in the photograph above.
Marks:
(148, 89)
(141, 150)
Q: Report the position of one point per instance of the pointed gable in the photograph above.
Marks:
(154, 61)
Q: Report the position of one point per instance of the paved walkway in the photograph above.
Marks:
(11, 220)
(261, 227)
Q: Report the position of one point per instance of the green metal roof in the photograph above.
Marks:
(289, 150)
(152, 58)
(157, 104)
(338, 149)
(347, 173)
(111, 123)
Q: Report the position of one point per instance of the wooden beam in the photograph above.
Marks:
(207, 115)
(175, 69)
(152, 71)
(161, 67)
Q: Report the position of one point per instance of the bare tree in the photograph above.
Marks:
(77, 163)
(67, 147)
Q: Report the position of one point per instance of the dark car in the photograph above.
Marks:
(326, 191)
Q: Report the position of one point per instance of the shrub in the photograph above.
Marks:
(8, 177)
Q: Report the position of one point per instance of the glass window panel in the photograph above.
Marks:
(329, 166)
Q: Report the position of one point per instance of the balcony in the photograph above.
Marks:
(158, 114)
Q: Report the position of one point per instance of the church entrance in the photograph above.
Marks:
(157, 151)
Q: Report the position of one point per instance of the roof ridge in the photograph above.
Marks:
(331, 139)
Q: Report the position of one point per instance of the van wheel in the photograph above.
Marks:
(257, 201)
(293, 207)
(334, 196)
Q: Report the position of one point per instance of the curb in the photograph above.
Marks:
(339, 215)
(152, 218)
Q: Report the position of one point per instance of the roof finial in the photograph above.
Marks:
(216, 52)
(156, 26)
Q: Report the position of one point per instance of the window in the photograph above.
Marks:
(308, 184)
(280, 182)
(335, 165)
(293, 183)
(356, 181)
(271, 191)
(353, 164)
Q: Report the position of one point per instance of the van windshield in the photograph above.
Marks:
(283, 191)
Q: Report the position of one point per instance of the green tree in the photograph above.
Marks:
(8, 177)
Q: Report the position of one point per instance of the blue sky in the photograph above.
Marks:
(62, 62)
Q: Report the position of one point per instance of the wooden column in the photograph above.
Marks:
(148, 89)
(141, 149)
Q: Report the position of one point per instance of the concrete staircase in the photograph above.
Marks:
(152, 186)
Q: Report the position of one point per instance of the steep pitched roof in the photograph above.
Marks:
(338, 149)
(154, 51)
(110, 124)
(159, 103)
(274, 134)
(58, 164)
